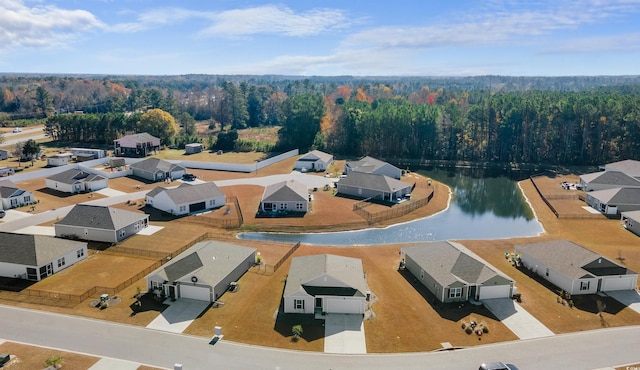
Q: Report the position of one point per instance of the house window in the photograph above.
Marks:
(80, 253)
(584, 285)
(299, 206)
(455, 292)
(183, 208)
(298, 304)
(212, 202)
(283, 205)
(32, 274)
(27, 199)
(547, 272)
(61, 262)
(156, 285)
(421, 274)
(121, 233)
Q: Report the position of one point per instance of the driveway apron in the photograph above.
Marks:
(344, 333)
(179, 315)
(629, 298)
(517, 319)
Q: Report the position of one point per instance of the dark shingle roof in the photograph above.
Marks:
(34, 250)
(73, 176)
(99, 217)
(8, 189)
(373, 181)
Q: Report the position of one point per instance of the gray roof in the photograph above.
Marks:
(8, 189)
(209, 261)
(633, 215)
(611, 178)
(155, 164)
(315, 155)
(100, 217)
(566, 257)
(73, 176)
(629, 166)
(373, 181)
(305, 269)
(187, 193)
(132, 139)
(448, 262)
(366, 164)
(34, 250)
(286, 191)
(617, 196)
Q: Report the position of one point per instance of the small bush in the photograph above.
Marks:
(468, 330)
(485, 329)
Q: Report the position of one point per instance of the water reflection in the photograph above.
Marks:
(483, 207)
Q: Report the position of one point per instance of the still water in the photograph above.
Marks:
(484, 206)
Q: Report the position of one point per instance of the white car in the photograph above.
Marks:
(16, 130)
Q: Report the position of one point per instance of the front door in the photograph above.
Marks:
(172, 291)
(318, 302)
(472, 292)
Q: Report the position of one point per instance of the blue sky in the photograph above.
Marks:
(303, 37)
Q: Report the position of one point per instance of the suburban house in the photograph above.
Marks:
(325, 283)
(34, 257)
(631, 221)
(76, 181)
(374, 166)
(136, 145)
(203, 272)
(7, 171)
(453, 273)
(285, 196)
(89, 153)
(574, 268)
(629, 166)
(11, 196)
(314, 161)
(193, 148)
(614, 201)
(608, 180)
(101, 224)
(368, 185)
(3, 154)
(186, 198)
(154, 169)
(60, 159)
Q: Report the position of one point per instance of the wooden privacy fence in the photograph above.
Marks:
(224, 223)
(387, 214)
(284, 258)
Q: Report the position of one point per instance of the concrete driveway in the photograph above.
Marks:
(178, 316)
(629, 298)
(344, 333)
(517, 319)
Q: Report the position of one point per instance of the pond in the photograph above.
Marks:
(484, 205)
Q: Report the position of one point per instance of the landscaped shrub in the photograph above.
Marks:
(485, 329)
(468, 330)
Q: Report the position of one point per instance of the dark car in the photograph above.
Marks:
(497, 366)
(189, 177)
(4, 358)
(2, 213)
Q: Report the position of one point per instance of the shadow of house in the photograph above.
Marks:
(147, 302)
(312, 329)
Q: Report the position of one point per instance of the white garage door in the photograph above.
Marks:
(496, 291)
(195, 292)
(619, 283)
(339, 305)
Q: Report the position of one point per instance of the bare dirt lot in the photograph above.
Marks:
(31, 357)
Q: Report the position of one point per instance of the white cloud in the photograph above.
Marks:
(41, 25)
(614, 43)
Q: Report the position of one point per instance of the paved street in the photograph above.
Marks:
(583, 350)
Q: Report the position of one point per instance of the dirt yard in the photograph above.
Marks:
(31, 357)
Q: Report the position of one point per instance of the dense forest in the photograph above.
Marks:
(537, 120)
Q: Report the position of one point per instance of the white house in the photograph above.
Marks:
(285, 196)
(94, 153)
(3, 154)
(101, 224)
(186, 198)
(376, 186)
(453, 273)
(193, 148)
(7, 171)
(34, 257)
(325, 283)
(314, 161)
(60, 159)
(11, 196)
(374, 166)
(76, 181)
(631, 221)
(614, 201)
(154, 169)
(203, 272)
(574, 268)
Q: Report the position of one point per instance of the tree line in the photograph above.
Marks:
(402, 118)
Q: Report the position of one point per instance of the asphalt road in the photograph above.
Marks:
(583, 350)
(34, 133)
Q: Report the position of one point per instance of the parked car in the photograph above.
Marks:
(189, 177)
(497, 366)
(2, 213)
(16, 130)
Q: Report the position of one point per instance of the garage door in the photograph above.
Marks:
(195, 292)
(618, 283)
(340, 305)
(497, 291)
(195, 207)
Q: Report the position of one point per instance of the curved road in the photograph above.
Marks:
(583, 350)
